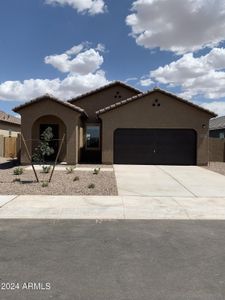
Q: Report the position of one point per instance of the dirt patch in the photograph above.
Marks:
(218, 167)
(62, 183)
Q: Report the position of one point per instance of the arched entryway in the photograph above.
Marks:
(58, 128)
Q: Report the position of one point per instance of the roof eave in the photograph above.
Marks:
(141, 95)
(102, 88)
(12, 123)
(17, 109)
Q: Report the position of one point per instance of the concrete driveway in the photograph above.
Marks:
(168, 181)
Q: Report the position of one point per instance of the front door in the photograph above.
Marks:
(92, 150)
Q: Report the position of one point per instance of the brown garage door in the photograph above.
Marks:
(155, 146)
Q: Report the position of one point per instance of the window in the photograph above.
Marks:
(221, 135)
(93, 137)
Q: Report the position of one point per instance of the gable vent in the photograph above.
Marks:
(117, 95)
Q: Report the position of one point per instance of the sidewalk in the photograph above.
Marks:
(111, 207)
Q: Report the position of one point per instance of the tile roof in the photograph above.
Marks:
(103, 88)
(141, 95)
(4, 117)
(39, 99)
(217, 123)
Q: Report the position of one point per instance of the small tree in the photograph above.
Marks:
(44, 149)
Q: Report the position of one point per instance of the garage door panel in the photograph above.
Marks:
(155, 146)
(130, 146)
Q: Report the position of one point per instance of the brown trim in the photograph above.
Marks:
(139, 96)
(104, 88)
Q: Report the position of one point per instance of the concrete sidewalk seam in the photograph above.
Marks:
(9, 200)
(124, 210)
(196, 196)
(183, 208)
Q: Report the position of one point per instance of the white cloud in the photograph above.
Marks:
(146, 82)
(84, 74)
(69, 87)
(204, 75)
(178, 26)
(215, 106)
(83, 63)
(91, 7)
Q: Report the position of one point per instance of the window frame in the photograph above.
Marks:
(85, 136)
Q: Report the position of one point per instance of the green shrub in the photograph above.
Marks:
(76, 178)
(91, 186)
(46, 169)
(44, 149)
(44, 184)
(96, 171)
(70, 170)
(18, 171)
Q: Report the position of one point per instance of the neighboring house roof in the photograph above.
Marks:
(50, 97)
(217, 123)
(139, 96)
(4, 117)
(113, 83)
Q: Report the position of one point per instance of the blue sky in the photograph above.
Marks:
(115, 43)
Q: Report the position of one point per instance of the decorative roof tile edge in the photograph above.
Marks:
(7, 118)
(102, 88)
(141, 95)
(51, 97)
(217, 123)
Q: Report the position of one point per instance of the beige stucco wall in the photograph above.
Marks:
(49, 119)
(102, 99)
(141, 114)
(48, 107)
(5, 127)
(216, 149)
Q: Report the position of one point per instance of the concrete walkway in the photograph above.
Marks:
(111, 207)
(168, 181)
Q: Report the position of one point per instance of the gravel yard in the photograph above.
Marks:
(218, 167)
(62, 183)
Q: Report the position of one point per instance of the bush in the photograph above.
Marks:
(44, 149)
(46, 169)
(44, 184)
(70, 170)
(76, 178)
(96, 171)
(91, 186)
(18, 171)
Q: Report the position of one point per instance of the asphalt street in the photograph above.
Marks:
(112, 260)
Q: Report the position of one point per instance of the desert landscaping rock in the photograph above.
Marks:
(61, 184)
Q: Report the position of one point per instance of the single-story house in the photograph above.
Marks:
(9, 129)
(9, 125)
(119, 124)
(217, 127)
